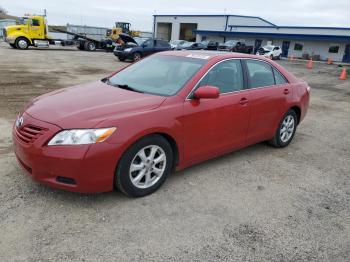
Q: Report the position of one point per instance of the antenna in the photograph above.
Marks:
(45, 12)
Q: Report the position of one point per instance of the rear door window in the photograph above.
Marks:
(227, 76)
(279, 78)
(259, 73)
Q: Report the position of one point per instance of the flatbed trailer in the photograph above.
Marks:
(84, 42)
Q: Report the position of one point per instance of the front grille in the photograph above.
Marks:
(29, 133)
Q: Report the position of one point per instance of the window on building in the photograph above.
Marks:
(227, 76)
(259, 74)
(334, 48)
(298, 46)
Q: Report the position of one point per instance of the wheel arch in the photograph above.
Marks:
(24, 37)
(297, 110)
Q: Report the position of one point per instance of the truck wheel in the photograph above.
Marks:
(90, 46)
(22, 43)
(13, 46)
(122, 59)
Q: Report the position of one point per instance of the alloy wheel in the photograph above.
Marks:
(287, 128)
(148, 166)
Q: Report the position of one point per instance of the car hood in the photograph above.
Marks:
(85, 106)
(127, 39)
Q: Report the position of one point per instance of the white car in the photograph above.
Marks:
(175, 44)
(270, 51)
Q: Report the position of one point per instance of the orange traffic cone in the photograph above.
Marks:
(310, 64)
(329, 61)
(343, 74)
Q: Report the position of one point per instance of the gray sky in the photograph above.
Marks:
(139, 13)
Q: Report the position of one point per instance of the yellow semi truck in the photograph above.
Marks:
(32, 30)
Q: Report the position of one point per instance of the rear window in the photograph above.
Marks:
(161, 43)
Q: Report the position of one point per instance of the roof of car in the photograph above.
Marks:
(204, 54)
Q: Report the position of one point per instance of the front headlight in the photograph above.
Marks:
(81, 136)
(127, 49)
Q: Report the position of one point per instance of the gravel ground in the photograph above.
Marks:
(257, 204)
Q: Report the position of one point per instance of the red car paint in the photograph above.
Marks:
(201, 129)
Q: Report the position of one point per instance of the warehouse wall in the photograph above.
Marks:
(217, 23)
(309, 47)
(4, 23)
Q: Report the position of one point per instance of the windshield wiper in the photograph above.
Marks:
(127, 87)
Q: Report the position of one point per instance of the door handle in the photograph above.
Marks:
(243, 101)
(286, 91)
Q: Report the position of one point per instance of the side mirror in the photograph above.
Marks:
(207, 92)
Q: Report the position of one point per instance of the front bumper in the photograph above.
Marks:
(123, 55)
(9, 40)
(80, 168)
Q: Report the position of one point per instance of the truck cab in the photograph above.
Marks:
(30, 31)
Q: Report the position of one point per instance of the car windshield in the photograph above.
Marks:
(187, 44)
(23, 21)
(230, 43)
(269, 48)
(159, 74)
(139, 41)
(176, 42)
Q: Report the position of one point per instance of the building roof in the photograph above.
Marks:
(218, 15)
(315, 37)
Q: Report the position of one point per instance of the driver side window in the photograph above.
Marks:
(227, 76)
(148, 43)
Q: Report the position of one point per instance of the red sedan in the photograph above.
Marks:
(168, 111)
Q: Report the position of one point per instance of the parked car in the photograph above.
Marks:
(227, 46)
(270, 51)
(191, 46)
(139, 49)
(165, 112)
(235, 46)
(129, 42)
(176, 43)
(210, 45)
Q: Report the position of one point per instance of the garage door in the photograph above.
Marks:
(164, 31)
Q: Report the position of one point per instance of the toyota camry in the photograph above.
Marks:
(130, 130)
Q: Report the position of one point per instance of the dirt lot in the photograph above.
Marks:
(258, 204)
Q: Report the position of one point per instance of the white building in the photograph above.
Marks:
(4, 23)
(297, 41)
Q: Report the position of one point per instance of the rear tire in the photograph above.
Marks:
(144, 167)
(122, 59)
(22, 43)
(286, 130)
(90, 46)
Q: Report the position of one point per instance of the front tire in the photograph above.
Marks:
(136, 57)
(144, 167)
(286, 130)
(22, 43)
